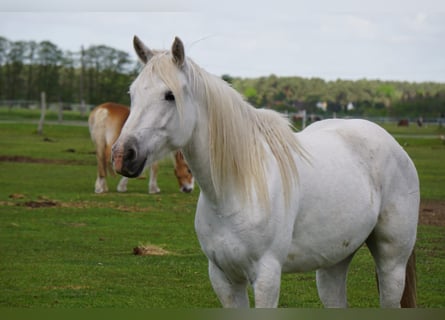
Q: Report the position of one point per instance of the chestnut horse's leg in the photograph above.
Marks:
(153, 184)
(101, 182)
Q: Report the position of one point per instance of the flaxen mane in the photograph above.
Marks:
(238, 133)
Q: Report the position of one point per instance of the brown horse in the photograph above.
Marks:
(105, 123)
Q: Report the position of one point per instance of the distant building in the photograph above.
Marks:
(323, 105)
(350, 107)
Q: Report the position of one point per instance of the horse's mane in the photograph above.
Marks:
(238, 133)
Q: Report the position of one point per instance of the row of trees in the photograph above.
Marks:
(362, 97)
(101, 73)
(95, 74)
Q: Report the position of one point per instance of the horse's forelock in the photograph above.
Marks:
(163, 66)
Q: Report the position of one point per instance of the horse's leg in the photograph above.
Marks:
(108, 163)
(391, 244)
(230, 294)
(101, 185)
(153, 184)
(101, 182)
(331, 284)
(391, 262)
(267, 283)
(122, 185)
(390, 268)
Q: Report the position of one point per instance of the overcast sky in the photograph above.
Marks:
(346, 39)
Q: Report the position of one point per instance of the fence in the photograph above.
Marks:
(301, 116)
(53, 106)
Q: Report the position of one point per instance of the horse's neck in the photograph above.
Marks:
(198, 158)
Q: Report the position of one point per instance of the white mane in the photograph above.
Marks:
(238, 133)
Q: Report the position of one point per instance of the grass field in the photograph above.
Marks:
(63, 246)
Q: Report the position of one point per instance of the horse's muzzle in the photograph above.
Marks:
(126, 161)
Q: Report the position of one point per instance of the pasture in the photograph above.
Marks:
(63, 246)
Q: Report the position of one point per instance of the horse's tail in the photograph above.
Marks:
(409, 297)
(97, 126)
(91, 121)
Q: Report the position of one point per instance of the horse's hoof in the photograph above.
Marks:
(154, 191)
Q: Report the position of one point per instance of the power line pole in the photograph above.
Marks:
(82, 72)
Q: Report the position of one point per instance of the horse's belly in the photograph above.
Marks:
(339, 203)
(311, 254)
(327, 231)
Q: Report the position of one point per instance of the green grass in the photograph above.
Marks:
(429, 157)
(77, 252)
(413, 129)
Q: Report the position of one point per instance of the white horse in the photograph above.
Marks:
(273, 201)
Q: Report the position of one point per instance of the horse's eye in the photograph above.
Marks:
(169, 96)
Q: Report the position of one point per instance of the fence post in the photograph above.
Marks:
(304, 116)
(42, 112)
(60, 112)
(82, 107)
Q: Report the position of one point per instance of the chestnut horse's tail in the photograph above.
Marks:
(409, 297)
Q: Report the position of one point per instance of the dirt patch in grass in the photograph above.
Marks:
(40, 204)
(150, 250)
(432, 212)
(21, 200)
(110, 204)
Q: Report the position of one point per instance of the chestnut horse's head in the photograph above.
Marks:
(183, 173)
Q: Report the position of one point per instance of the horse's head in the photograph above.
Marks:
(162, 115)
(183, 173)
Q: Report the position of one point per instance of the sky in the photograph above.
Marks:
(401, 40)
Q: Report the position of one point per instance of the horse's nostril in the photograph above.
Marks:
(130, 155)
(186, 189)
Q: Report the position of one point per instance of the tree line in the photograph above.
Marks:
(95, 74)
(101, 73)
(365, 98)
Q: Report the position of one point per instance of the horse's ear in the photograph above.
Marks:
(142, 51)
(178, 52)
(179, 156)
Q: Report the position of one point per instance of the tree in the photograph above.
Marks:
(251, 95)
(30, 62)
(227, 78)
(49, 60)
(14, 83)
(69, 77)
(104, 68)
(4, 48)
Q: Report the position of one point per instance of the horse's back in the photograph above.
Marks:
(373, 146)
(111, 112)
(374, 150)
(106, 121)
